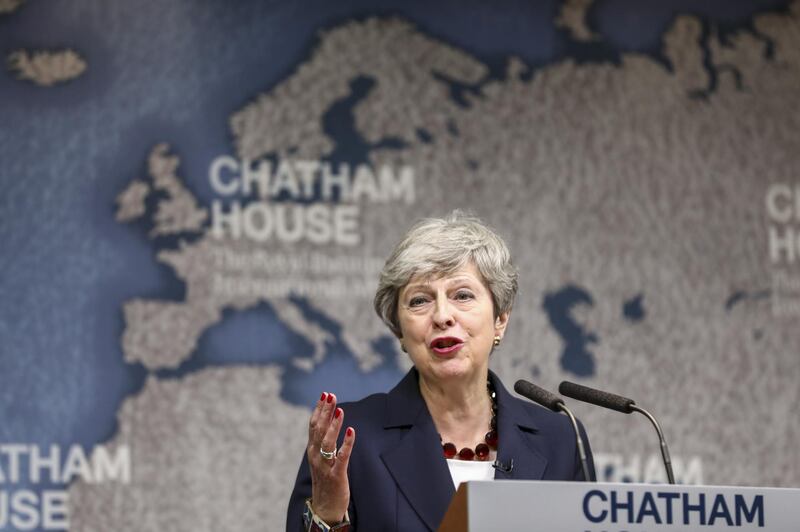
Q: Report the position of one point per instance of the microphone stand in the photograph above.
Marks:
(662, 441)
(556, 404)
(620, 404)
(581, 449)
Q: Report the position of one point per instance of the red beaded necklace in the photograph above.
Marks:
(481, 451)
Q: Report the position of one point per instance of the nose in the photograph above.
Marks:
(443, 313)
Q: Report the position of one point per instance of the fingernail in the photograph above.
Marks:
(349, 432)
(337, 413)
(322, 397)
(330, 397)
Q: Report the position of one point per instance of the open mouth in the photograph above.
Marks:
(446, 344)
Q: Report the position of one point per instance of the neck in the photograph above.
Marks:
(461, 411)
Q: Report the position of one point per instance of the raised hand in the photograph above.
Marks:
(330, 489)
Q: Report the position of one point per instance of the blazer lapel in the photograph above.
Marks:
(517, 432)
(416, 462)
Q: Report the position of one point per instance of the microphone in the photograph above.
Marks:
(596, 397)
(505, 468)
(620, 404)
(553, 402)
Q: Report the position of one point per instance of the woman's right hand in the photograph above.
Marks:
(330, 489)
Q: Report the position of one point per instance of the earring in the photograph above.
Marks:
(497, 340)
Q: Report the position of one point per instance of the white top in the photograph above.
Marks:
(464, 470)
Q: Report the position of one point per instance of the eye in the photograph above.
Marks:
(463, 295)
(417, 301)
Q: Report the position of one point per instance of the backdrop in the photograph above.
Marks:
(197, 197)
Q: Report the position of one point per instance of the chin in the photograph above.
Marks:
(452, 370)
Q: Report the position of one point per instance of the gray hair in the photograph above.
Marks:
(440, 246)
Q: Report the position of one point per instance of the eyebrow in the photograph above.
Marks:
(451, 281)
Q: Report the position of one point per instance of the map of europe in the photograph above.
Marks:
(630, 187)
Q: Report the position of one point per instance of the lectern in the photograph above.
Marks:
(508, 505)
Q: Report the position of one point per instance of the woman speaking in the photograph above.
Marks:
(446, 292)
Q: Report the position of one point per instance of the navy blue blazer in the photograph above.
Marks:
(399, 479)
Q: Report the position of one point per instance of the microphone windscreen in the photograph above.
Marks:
(596, 397)
(538, 395)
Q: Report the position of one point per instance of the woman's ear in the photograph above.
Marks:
(500, 323)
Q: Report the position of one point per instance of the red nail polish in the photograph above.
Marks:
(322, 397)
(337, 413)
(330, 397)
(349, 432)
